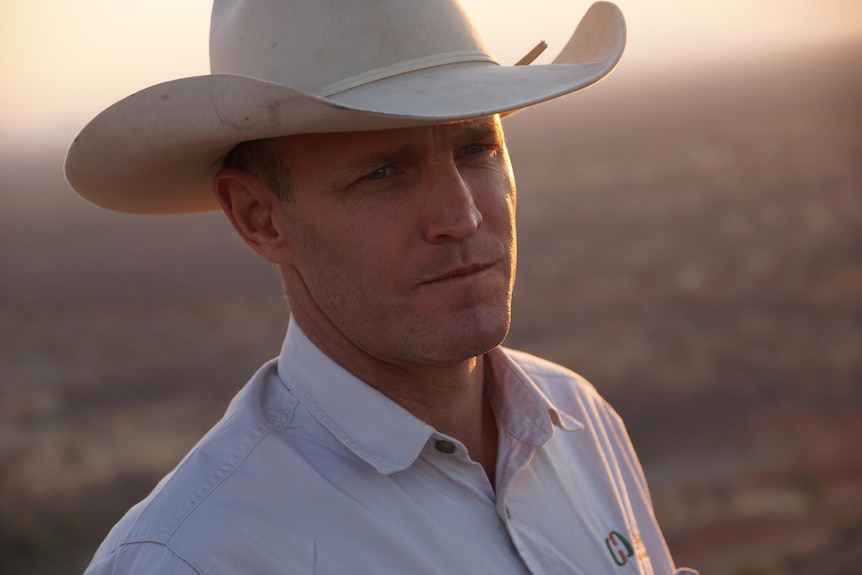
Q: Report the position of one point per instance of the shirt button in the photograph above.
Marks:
(444, 446)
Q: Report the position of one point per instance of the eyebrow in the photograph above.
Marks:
(482, 128)
(376, 159)
(474, 130)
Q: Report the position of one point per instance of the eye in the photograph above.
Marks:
(379, 173)
(477, 149)
(474, 149)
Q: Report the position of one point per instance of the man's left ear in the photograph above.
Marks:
(252, 208)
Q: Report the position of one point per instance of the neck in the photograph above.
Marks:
(450, 398)
(454, 402)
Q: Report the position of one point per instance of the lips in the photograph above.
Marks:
(459, 272)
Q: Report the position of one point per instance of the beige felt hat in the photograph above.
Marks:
(282, 67)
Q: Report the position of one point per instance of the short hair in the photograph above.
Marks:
(261, 159)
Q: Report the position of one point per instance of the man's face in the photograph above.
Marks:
(403, 241)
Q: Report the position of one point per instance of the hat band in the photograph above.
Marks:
(403, 67)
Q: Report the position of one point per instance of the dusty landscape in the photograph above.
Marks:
(690, 242)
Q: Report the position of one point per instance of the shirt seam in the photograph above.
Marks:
(233, 461)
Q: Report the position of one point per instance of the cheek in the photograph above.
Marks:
(339, 262)
(316, 253)
(496, 199)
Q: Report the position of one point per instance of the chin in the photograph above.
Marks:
(472, 340)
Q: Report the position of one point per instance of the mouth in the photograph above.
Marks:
(460, 273)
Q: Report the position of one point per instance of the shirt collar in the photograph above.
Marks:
(522, 409)
(386, 435)
(371, 425)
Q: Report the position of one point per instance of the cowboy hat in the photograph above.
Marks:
(301, 66)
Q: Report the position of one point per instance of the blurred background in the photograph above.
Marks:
(690, 234)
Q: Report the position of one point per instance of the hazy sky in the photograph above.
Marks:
(63, 61)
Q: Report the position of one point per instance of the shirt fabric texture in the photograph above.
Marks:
(313, 471)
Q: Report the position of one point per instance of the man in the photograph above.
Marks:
(358, 146)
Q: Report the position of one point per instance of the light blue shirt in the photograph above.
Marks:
(313, 471)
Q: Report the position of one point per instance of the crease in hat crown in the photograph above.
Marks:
(283, 67)
(403, 67)
(331, 46)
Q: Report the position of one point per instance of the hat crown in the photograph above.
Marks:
(325, 46)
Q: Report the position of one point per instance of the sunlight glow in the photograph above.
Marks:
(66, 60)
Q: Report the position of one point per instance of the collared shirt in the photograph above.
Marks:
(312, 470)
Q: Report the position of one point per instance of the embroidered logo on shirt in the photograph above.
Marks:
(622, 550)
(619, 547)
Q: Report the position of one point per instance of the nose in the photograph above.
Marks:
(450, 209)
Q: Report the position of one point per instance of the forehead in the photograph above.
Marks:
(353, 145)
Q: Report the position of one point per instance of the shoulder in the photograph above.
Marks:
(569, 393)
(550, 377)
(565, 389)
(157, 530)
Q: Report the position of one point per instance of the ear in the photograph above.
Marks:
(253, 210)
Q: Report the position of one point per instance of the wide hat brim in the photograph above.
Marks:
(158, 150)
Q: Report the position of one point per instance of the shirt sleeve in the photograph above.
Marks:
(141, 559)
